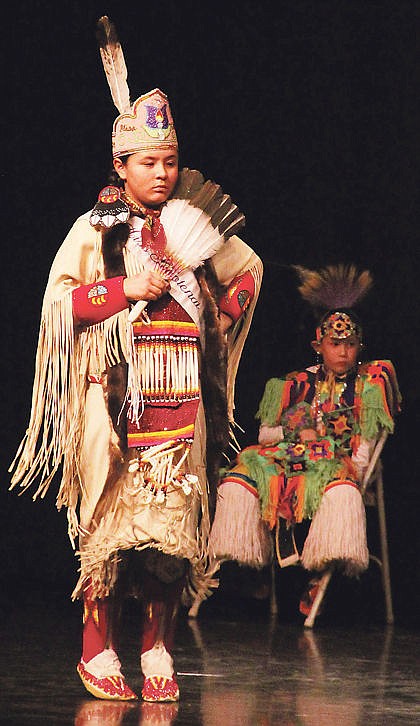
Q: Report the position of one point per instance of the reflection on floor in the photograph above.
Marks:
(235, 667)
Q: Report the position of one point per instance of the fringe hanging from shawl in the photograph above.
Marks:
(316, 479)
(375, 414)
(338, 531)
(271, 404)
(55, 424)
(55, 428)
(263, 471)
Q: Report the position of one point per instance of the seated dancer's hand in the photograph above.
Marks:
(307, 435)
(146, 285)
(269, 435)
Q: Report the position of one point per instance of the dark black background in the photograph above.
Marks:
(307, 114)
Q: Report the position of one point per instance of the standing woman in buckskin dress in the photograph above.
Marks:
(147, 308)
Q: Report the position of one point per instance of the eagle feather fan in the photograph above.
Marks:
(191, 232)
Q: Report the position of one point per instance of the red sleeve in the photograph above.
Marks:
(98, 301)
(238, 296)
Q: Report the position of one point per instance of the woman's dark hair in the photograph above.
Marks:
(113, 178)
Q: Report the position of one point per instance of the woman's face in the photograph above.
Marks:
(339, 355)
(149, 176)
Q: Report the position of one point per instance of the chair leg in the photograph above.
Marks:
(386, 577)
(273, 591)
(323, 584)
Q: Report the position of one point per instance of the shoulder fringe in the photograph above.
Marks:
(56, 422)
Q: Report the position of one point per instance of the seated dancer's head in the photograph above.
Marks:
(338, 340)
(335, 290)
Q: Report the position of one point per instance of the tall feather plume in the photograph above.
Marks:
(113, 63)
(335, 286)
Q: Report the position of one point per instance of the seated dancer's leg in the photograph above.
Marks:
(99, 667)
(238, 531)
(162, 586)
(336, 537)
(337, 534)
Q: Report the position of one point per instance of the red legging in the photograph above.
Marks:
(160, 613)
(96, 625)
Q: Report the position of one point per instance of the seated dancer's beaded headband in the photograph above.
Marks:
(336, 290)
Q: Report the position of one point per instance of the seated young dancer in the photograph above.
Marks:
(318, 429)
(147, 308)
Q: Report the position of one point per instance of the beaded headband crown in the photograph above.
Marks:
(146, 124)
(332, 292)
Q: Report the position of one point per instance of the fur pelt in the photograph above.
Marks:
(213, 380)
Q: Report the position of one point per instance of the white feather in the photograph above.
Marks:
(190, 234)
(114, 64)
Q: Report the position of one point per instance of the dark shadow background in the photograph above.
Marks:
(307, 114)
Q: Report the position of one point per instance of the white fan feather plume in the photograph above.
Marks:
(194, 234)
(190, 234)
(114, 63)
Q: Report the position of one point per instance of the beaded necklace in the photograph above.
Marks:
(329, 390)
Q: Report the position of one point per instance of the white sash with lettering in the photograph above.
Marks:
(184, 286)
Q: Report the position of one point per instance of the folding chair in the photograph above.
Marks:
(372, 491)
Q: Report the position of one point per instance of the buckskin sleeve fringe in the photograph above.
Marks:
(56, 419)
(54, 426)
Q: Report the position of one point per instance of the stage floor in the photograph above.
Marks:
(235, 668)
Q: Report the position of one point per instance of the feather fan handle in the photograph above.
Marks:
(197, 222)
(113, 62)
(339, 286)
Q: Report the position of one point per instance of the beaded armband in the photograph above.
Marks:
(238, 296)
(98, 301)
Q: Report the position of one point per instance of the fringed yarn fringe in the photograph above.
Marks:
(316, 480)
(338, 532)
(238, 532)
(271, 403)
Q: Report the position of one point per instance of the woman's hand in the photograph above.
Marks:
(308, 435)
(270, 435)
(146, 285)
